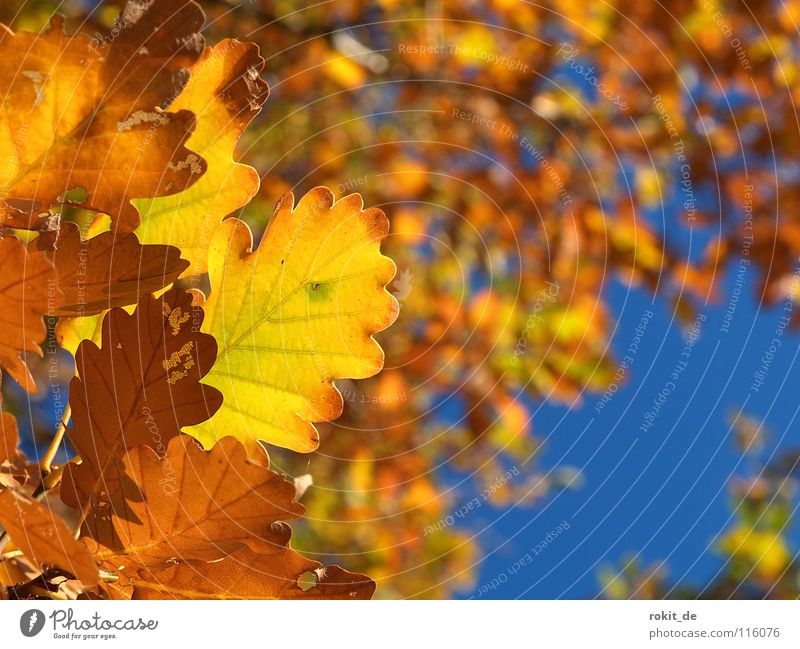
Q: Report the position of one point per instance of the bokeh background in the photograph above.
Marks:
(592, 387)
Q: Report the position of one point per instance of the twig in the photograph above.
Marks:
(11, 554)
(108, 577)
(4, 540)
(49, 480)
(47, 460)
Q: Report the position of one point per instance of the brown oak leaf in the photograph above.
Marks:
(280, 573)
(140, 387)
(190, 504)
(105, 271)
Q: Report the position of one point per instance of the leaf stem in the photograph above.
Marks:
(47, 460)
(50, 480)
(11, 554)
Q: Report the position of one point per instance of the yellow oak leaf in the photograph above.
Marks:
(292, 316)
(225, 92)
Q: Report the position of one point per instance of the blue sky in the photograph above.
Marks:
(660, 494)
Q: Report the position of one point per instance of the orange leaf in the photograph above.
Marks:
(43, 537)
(81, 113)
(9, 437)
(191, 504)
(16, 471)
(25, 279)
(280, 573)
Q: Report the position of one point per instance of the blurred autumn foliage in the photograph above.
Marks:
(528, 154)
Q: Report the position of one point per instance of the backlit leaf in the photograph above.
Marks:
(281, 573)
(225, 92)
(191, 504)
(26, 281)
(9, 437)
(81, 120)
(106, 271)
(43, 537)
(140, 387)
(292, 316)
